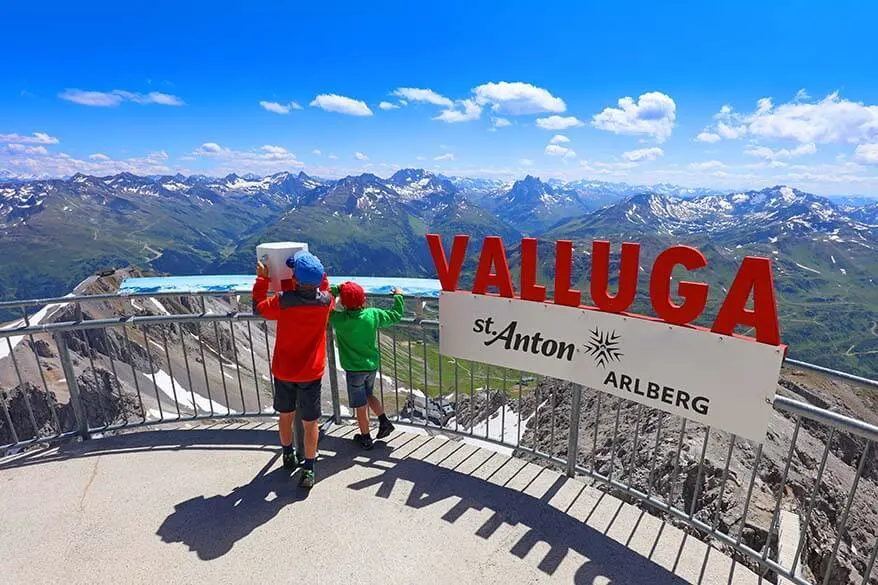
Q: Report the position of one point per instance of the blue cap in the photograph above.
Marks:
(307, 268)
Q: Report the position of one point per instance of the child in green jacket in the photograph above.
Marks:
(356, 331)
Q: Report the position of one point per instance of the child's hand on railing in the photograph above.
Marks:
(262, 269)
(396, 291)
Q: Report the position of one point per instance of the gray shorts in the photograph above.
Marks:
(360, 387)
(302, 396)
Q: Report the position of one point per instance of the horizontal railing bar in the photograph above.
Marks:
(37, 440)
(153, 320)
(832, 419)
(112, 296)
(831, 372)
(138, 294)
(129, 320)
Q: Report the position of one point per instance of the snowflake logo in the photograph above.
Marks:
(603, 347)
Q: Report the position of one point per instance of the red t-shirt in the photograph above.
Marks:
(302, 318)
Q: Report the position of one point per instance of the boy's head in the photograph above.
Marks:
(352, 295)
(307, 269)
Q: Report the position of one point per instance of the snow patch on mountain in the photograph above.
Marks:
(807, 268)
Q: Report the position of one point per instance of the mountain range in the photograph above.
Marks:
(57, 231)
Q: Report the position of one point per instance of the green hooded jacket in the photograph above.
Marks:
(356, 333)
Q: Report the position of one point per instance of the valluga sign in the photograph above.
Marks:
(710, 376)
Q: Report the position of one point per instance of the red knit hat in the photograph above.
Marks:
(352, 295)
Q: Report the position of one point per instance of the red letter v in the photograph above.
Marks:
(449, 274)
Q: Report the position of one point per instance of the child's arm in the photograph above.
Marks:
(268, 308)
(387, 317)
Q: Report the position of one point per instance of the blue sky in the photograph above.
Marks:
(729, 95)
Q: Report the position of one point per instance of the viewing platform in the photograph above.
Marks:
(140, 445)
(208, 502)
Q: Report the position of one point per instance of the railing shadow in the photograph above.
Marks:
(430, 484)
(211, 526)
(224, 438)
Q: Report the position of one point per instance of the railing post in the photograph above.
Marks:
(72, 386)
(333, 376)
(573, 438)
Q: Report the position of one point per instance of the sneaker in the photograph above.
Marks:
(308, 479)
(384, 429)
(365, 441)
(291, 461)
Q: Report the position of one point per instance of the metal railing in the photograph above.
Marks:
(119, 366)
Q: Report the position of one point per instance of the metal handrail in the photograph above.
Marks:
(400, 380)
(834, 419)
(227, 293)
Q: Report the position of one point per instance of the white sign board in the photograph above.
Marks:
(716, 380)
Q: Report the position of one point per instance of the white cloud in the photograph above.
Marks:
(731, 132)
(501, 122)
(562, 151)
(832, 120)
(210, 148)
(867, 153)
(279, 108)
(782, 153)
(802, 95)
(388, 106)
(643, 154)
(341, 105)
(274, 150)
(707, 137)
(23, 149)
(421, 158)
(266, 159)
(517, 98)
(99, 156)
(526, 162)
(471, 111)
(332, 156)
(706, 165)
(35, 138)
(360, 156)
(428, 96)
(111, 99)
(446, 156)
(654, 114)
(316, 152)
(764, 105)
(40, 162)
(558, 122)
(559, 139)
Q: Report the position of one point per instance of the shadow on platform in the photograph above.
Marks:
(210, 527)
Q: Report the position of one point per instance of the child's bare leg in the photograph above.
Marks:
(363, 420)
(375, 405)
(285, 428)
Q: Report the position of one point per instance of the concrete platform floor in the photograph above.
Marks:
(211, 504)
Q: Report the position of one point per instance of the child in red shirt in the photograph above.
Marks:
(302, 315)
